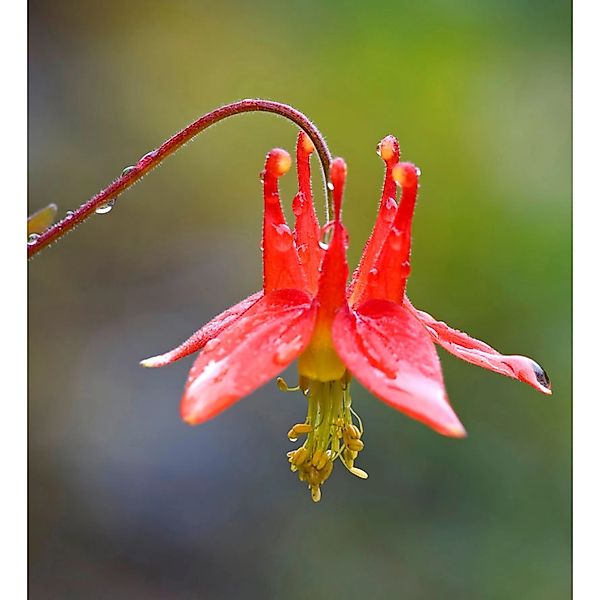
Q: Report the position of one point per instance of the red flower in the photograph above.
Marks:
(368, 330)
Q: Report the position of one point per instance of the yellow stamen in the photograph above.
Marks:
(330, 431)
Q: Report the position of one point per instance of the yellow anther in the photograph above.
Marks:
(316, 457)
(312, 476)
(327, 469)
(301, 428)
(359, 472)
(348, 457)
(355, 431)
(322, 461)
(300, 456)
(315, 493)
(356, 445)
(284, 387)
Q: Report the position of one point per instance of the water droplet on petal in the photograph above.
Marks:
(32, 238)
(283, 238)
(106, 208)
(330, 186)
(326, 231)
(298, 204)
(374, 271)
(211, 345)
(395, 238)
(390, 204)
(303, 254)
(287, 351)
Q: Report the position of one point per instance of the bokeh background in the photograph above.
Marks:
(125, 500)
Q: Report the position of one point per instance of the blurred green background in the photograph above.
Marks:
(125, 500)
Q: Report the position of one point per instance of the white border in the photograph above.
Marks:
(13, 349)
(586, 299)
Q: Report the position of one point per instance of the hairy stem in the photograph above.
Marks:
(154, 158)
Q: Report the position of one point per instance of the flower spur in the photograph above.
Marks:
(368, 330)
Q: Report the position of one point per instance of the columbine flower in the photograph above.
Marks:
(369, 330)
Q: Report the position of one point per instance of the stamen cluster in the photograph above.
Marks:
(330, 432)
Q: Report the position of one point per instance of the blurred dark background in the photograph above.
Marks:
(126, 501)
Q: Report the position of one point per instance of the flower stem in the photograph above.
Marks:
(154, 158)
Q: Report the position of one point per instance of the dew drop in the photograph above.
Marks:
(303, 254)
(330, 186)
(32, 238)
(106, 208)
(298, 205)
(395, 238)
(390, 204)
(326, 231)
(283, 237)
(287, 351)
(128, 170)
(69, 214)
(211, 345)
(374, 271)
(147, 156)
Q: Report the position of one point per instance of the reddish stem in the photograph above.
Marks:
(154, 158)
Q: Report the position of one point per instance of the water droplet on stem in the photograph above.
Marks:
(106, 207)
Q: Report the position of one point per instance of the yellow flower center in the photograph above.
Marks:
(329, 429)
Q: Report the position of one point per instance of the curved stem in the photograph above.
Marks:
(154, 158)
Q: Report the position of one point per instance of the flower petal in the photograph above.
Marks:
(390, 353)
(258, 346)
(281, 265)
(307, 232)
(389, 150)
(199, 339)
(479, 353)
(387, 279)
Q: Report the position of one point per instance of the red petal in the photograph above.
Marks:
(199, 339)
(390, 353)
(389, 151)
(334, 270)
(479, 353)
(307, 232)
(387, 279)
(281, 266)
(258, 346)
